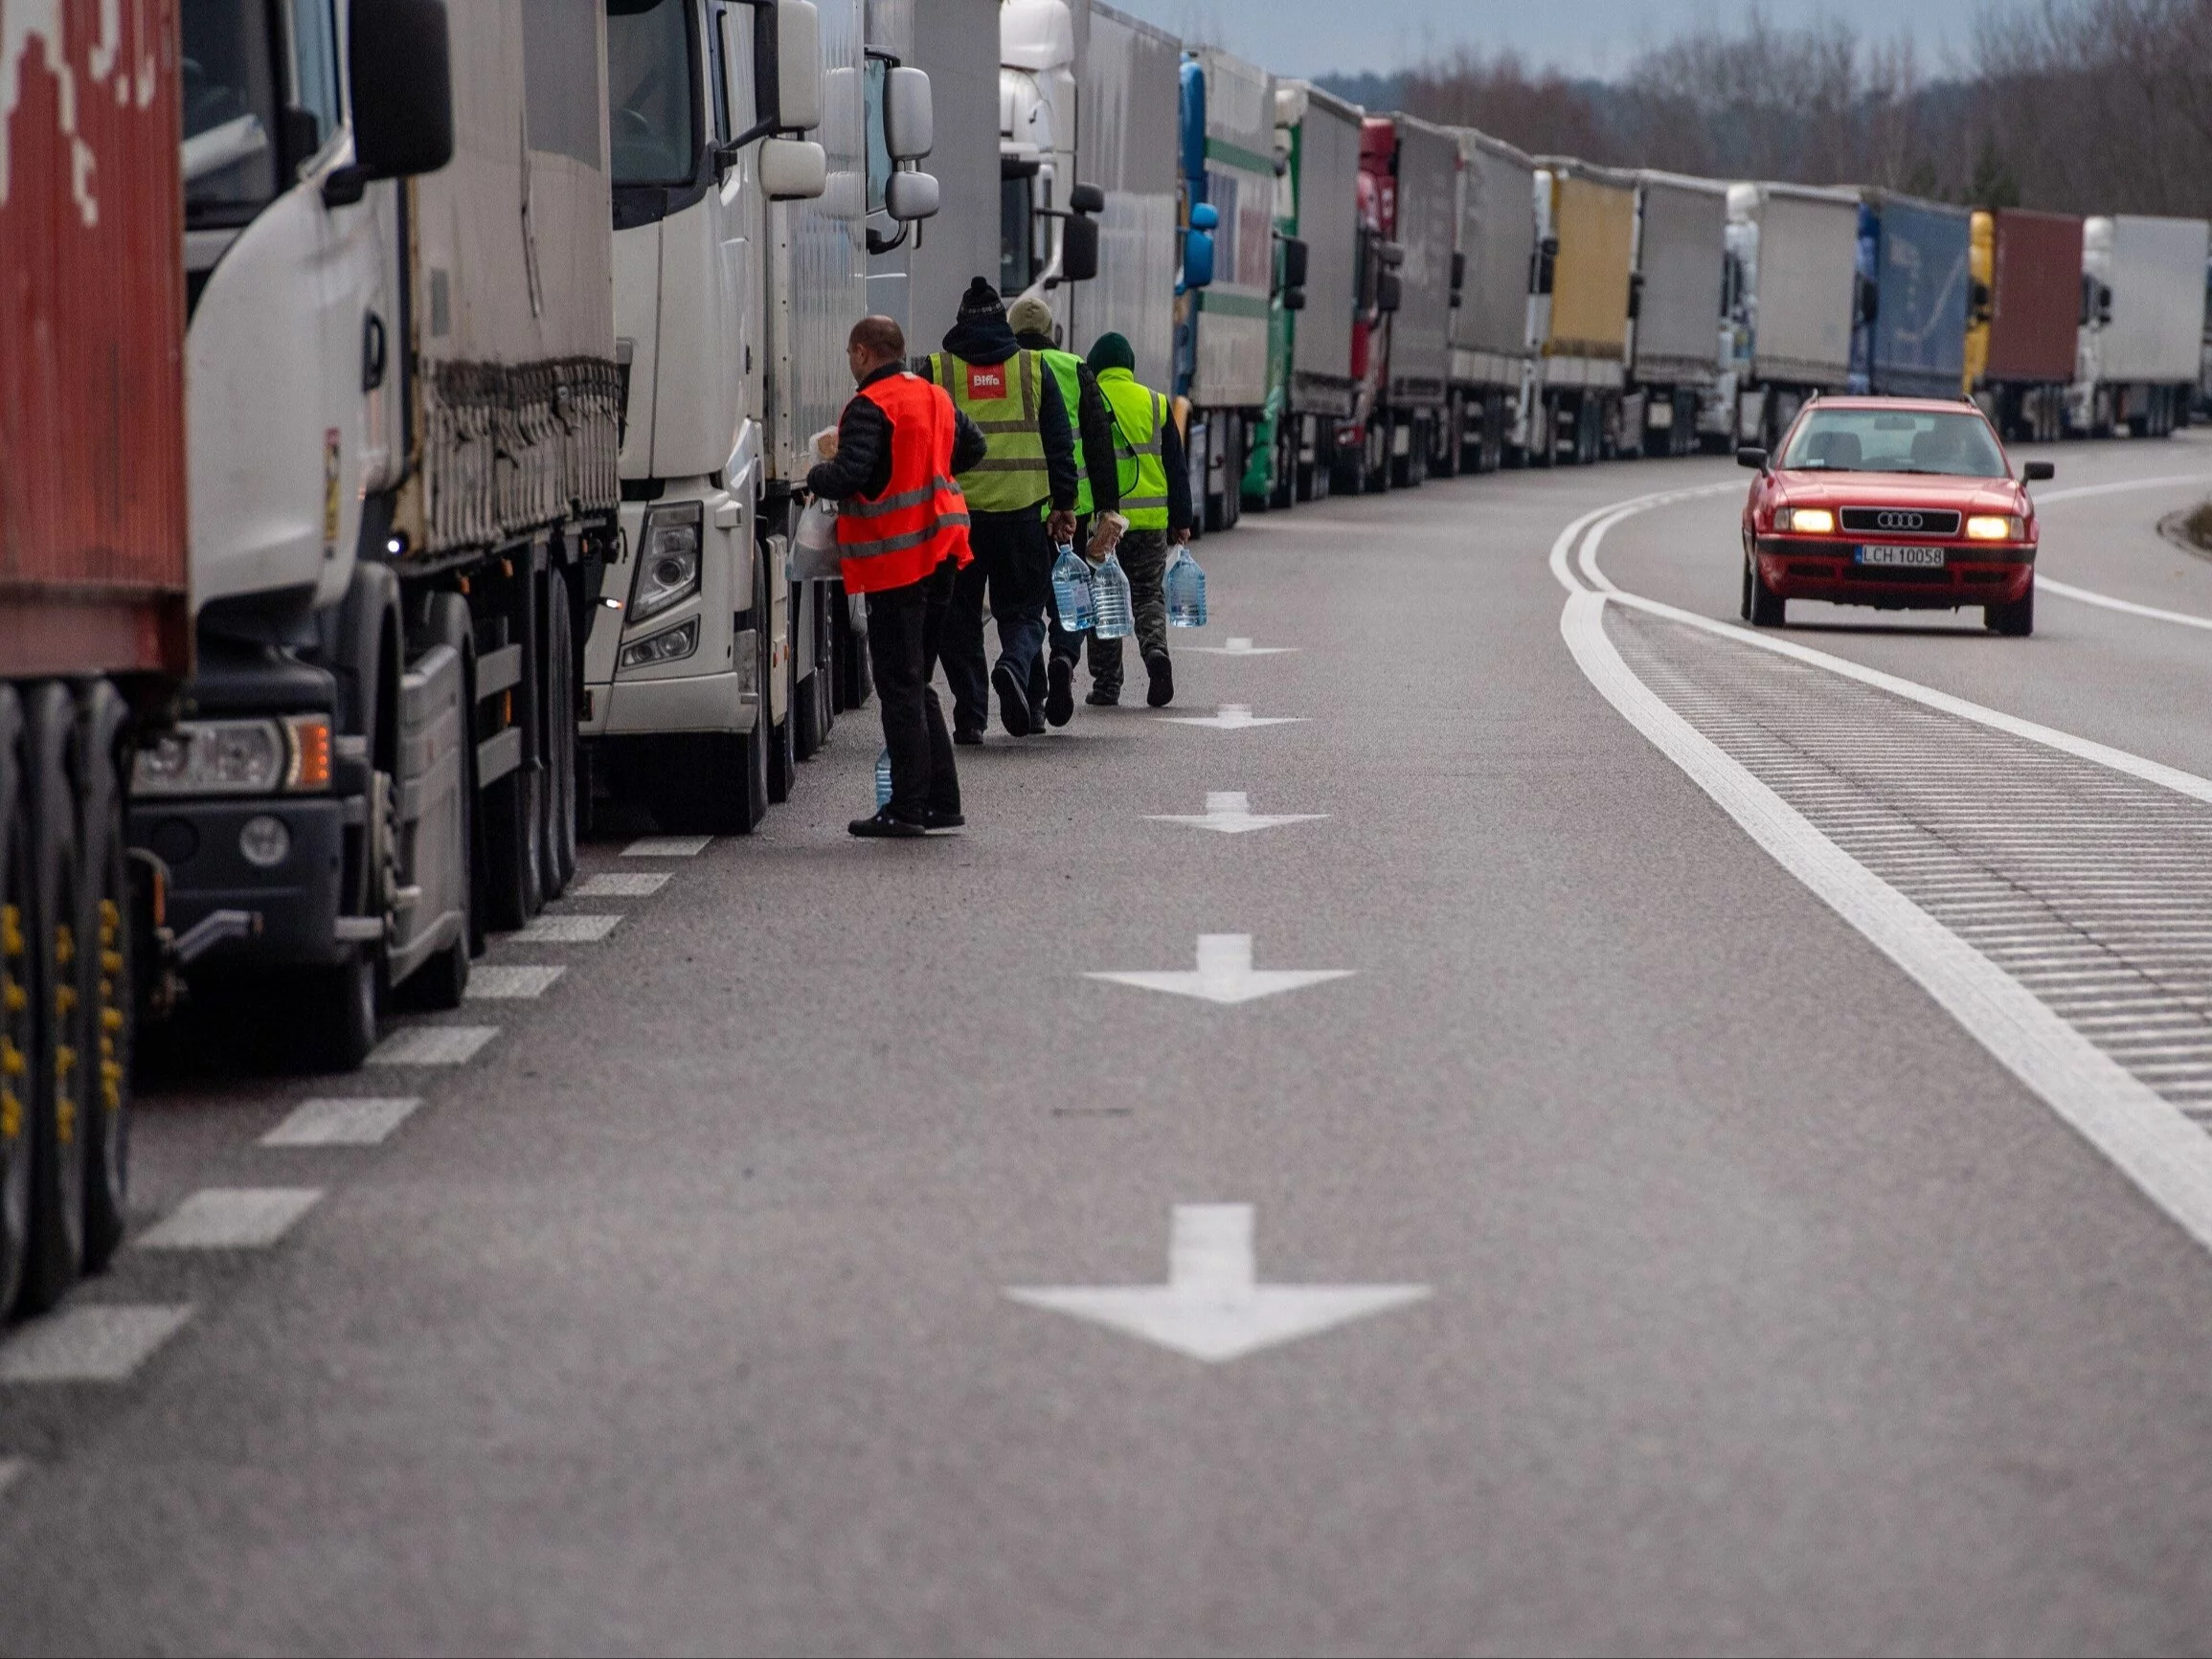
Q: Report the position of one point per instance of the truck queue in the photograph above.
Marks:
(406, 410)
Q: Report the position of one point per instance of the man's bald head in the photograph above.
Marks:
(883, 340)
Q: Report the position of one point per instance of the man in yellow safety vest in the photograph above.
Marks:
(1155, 495)
(1021, 500)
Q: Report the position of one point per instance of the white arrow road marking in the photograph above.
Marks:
(1211, 1307)
(350, 1122)
(1234, 717)
(1229, 813)
(1225, 973)
(1242, 647)
(104, 1342)
(231, 1219)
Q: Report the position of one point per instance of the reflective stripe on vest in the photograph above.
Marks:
(1002, 399)
(920, 520)
(1064, 364)
(1140, 417)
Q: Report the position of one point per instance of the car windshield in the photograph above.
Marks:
(652, 120)
(228, 103)
(1895, 440)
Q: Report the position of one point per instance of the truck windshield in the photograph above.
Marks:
(1894, 440)
(652, 98)
(230, 111)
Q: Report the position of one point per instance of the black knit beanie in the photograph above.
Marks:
(980, 300)
(1111, 350)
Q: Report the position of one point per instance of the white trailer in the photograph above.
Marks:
(1675, 314)
(958, 50)
(1792, 286)
(1321, 134)
(1492, 353)
(1126, 114)
(2142, 338)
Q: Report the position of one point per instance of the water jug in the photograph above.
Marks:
(1112, 614)
(1071, 590)
(1185, 584)
(883, 777)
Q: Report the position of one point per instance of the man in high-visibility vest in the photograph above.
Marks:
(1154, 494)
(902, 538)
(1031, 471)
(1098, 489)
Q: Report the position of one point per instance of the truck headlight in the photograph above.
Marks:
(667, 559)
(1994, 528)
(1804, 522)
(237, 757)
(671, 645)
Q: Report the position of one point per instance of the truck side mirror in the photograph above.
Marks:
(399, 67)
(792, 169)
(1458, 272)
(1295, 260)
(911, 196)
(1869, 301)
(908, 119)
(1390, 293)
(1085, 199)
(1078, 248)
(1294, 299)
(1635, 295)
(1394, 255)
(787, 65)
(1204, 216)
(1197, 256)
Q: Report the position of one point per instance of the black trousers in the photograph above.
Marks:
(906, 628)
(1014, 559)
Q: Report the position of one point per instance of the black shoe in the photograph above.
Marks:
(1162, 672)
(885, 827)
(967, 737)
(1060, 700)
(1014, 711)
(943, 823)
(1103, 698)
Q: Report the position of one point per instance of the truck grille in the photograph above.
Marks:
(1900, 521)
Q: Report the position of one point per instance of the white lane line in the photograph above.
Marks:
(432, 1046)
(2153, 1143)
(510, 984)
(231, 1219)
(11, 1470)
(1229, 813)
(1232, 717)
(2080, 492)
(586, 930)
(356, 1122)
(2067, 591)
(668, 847)
(1239, 646)
(1224, 975)
(626, 884)
(102, 1342)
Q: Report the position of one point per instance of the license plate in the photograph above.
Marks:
(1918, 558)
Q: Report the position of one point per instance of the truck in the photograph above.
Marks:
(1790, 289)
(403, 409)
(739, 260)
(1908, 334)
(1675, 312)
(1579, 312)
(1415, 170)
(1226, 132)
(2140, 346)
(1319, 134)
(1497, 260)
(2023, 330)
(1047, 225)
(1127, 107)
(95, 604)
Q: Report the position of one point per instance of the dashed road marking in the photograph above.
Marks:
(1234, 717)
(585, 930)
(98, 1342)
(1241, 647)
(511, 984)
(231, 1219)
(668, 847)
(432, 1046)
(622, 885)
(358, 1122)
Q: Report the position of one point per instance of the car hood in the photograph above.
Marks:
(1890, 489)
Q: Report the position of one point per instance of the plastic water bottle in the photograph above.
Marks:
(1185, 584)
(883, 777)
(1113, 613)
(1071, 590)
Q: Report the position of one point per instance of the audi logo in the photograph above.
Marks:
(1896, 521)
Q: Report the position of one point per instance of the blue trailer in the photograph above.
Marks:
(1908, 335)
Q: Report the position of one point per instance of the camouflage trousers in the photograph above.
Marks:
(1143, 556)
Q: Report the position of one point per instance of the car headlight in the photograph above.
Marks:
(667, 559)
(237, 757)
(670, 646)
(1804, 522)
(1994, 528)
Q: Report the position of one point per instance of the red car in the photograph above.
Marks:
(1899, 502)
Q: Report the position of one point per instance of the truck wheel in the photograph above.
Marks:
(557, 846)
(18, 1037)
(61, 1053)
(337, 1014)
(808, 727)
(782, 748)
(509, 822)
(106, 979)
(2016, 621)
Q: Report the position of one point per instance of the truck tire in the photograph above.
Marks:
(61, 1053)
(782, 748)
(107, 976)
(809, 723)
(18, 1037)
(557, 845)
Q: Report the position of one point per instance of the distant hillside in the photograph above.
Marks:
(1375, 92)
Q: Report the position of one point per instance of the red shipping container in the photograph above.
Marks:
(2036, 308)
(93, 529)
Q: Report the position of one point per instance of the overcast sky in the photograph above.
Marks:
(1587, 37)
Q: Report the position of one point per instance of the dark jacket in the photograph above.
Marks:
(861, 465)
(989, 338)
(1172, 458)
(1094, 426)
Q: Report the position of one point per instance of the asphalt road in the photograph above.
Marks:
(1768, 1307)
